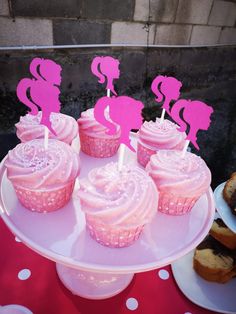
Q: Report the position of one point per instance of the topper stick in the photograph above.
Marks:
(162, 115)
(185, 148)
(108, 92)
(46, 133)
(121, 156)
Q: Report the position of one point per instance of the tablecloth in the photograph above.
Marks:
(30, 280)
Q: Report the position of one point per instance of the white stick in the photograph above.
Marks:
(185, 148)
(162, 115)
(108, 92)
(46, 132)
(121, 156)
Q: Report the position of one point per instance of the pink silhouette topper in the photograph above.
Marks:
(42, 89)
(195, 113)
(124, 111)
(168, 87)
(106, 67)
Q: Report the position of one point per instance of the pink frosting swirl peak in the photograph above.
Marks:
(127, 198)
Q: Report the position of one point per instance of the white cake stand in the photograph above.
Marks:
(87, 268)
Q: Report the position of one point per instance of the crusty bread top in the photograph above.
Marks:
(229, 188)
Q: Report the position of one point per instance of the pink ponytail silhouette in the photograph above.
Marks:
(168, 87)
(43, 92)
(195, 113)
(124, 111)
(106, 67)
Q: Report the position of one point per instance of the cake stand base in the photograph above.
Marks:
(92, 285)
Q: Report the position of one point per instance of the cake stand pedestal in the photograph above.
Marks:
(87, 268)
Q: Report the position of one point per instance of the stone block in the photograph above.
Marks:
(163, 10)
(141, 11)
(71, 32)
(131, 33)
(193, 11)
(205, 35)
(4, 8)
(172, 34)
(52, 8)
(228, 36)
(223, 13)
(25, 32)
(111, 10)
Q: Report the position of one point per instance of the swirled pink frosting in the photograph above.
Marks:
(127, 198)
(89, 125)
(161, 135)
(29, 165)
(186, 176)
(29, 128)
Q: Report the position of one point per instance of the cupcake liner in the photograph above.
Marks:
(144, 154)
(98, 147)
(175, 205)
(112, 237)
(44, 201)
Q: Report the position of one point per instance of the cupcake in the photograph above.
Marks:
(116, 204)
(181, 180)
(154, 136)
(93, 138)
(43, 179)
(29, 127)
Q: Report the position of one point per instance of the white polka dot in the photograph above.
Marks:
(187, 313)
(132, 304)
(163, 274)
(17, 239)
(24, 274)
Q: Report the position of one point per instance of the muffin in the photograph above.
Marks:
(154, 136)
(181, 180)
(214, 262)
(29, 127)
(229, 192)
(116, 204)
(43, 179)
(93, 138)
(223, 234)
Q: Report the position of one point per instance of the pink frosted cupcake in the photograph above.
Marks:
(116, 204)
(43, 179)
(93, 138)
(180, 180)
(29, 127)
(154, 136)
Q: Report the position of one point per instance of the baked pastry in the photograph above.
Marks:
(43, 179)
(181, 180)
(213, 261)
(223, 234)
(117, 204)
(229, 192)
(154, 136)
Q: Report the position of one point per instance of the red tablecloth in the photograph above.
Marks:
(153, 292)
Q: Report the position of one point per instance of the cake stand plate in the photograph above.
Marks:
(62, 237)
(223, 208)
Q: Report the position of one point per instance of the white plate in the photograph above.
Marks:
(223, 208)
(216, 297)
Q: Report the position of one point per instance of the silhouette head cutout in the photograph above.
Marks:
(106, 68)
(168, 87)
(42, 90)
(194, 113)
(123, 111)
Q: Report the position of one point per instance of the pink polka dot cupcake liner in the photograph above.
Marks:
(144, 154)
(112, 237)
(175, 205)
(98, 147)
(45, 201)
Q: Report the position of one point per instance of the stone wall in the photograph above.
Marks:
(207, 74)
(167, 22)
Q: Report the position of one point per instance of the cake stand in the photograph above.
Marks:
(87, 268)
